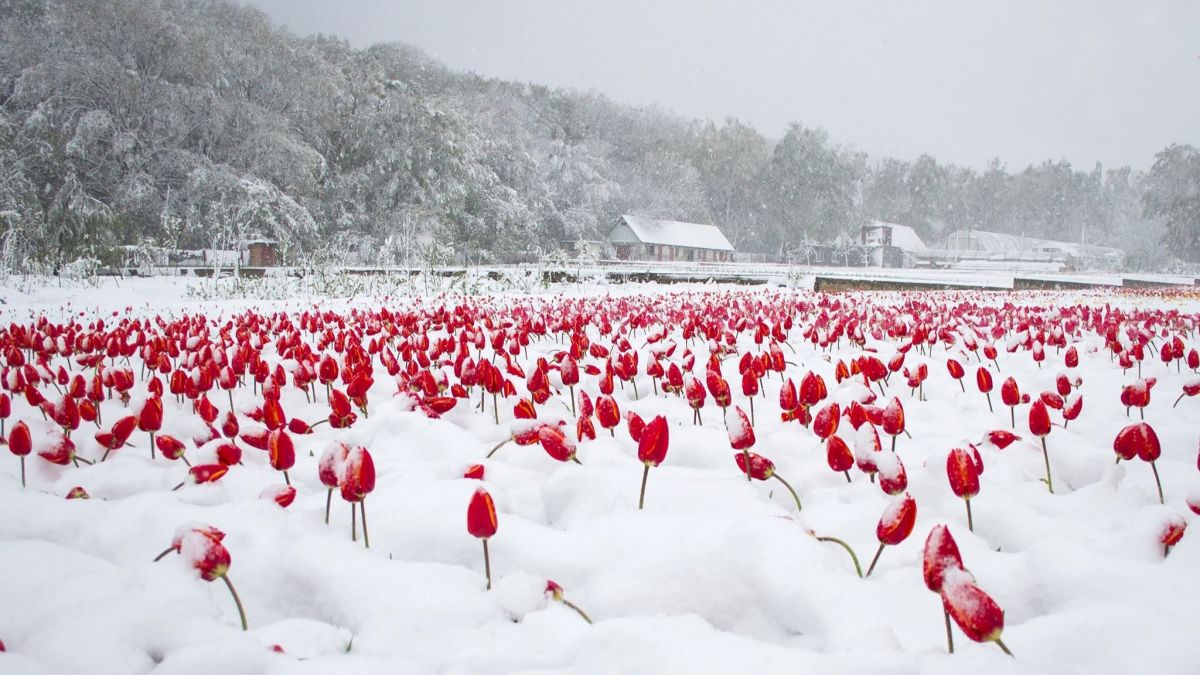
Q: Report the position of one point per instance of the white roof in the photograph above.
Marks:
(672, 233)
(903, 236)
(979, 240)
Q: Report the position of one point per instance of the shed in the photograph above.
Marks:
(642, 238)
(263, 252)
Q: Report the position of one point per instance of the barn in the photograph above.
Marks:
(642, 238)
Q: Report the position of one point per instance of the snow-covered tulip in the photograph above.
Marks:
(940, 555)
(1039, 425)
(757, 467)
(1171, 534)
(893, 420)
(20, 443)
(204, 473)
(893, 479)
(78, 492)
(1190, 388)
(1140, 440)
(975, 612)
(608, 413)
(329, 471)
(652, 450)
(825, 422)
(556, 443)
(283, 495)
(894, 526)
(963, 473)
(741, 434)
(356, 479)
(211, 560)
(1000, 438)
(482, 524)
(556, 593)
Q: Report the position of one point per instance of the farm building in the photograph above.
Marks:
(893, 245)
(994, 246)
(641, 238)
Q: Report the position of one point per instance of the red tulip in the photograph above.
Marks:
(61, 453)
(607, 413)
(1000, 438)
(957, 372)
(281, 452)
(1140, 440)
(1010, 394)
(78, 492)
(557, 444)
(150, 419)
(20, 443)
(761, 468)
(209, 557)
(894, 526)
(171, 447)
(482, 524)
(983, 379)
(825, 422)
(893, 420)
(963, 473)
(283, 495)
(893, 479)
(975, 612)
(1172, 533)
(474, 472)
(940, 557)
(839, 456)
(652, 450)
(1039, 425)
(635, 424)
(356, 479)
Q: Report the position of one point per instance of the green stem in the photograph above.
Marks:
(1001, 645)
(328, 503)
(1046, 456)
(839, 542)
(353, 521)
(970, 520)
(949, 635)
(874, 560)
(642, 495)
(487, 565)
(1157, 482)
(362, 506)
(575, 607)
(236, 600)
(22, 471)
(789, 487)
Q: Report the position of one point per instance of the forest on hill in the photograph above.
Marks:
(200, 124)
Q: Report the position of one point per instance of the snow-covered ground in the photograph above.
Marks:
(716, 574)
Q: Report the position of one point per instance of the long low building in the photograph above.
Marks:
(642, 238)
(995, 246)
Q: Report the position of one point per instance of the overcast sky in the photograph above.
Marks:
(964, 81)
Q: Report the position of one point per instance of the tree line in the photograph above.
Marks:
(199, 124)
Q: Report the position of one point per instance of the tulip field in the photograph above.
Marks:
(638, 478)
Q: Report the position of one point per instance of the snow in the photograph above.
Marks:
(675, 233)
(716, 574)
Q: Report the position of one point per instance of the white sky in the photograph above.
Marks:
(964, 81)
